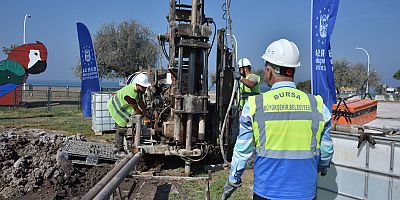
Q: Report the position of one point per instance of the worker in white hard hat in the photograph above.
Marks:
(289, 130)
(124, 104)
(249, 83)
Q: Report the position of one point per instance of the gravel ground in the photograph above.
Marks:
(30, 170)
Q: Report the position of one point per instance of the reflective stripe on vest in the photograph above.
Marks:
(246, 91)
(290, 131)
(119, 109)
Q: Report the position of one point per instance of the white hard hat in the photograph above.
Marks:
(131, 77)
(244, 62)
(282, 53)
(142, 80)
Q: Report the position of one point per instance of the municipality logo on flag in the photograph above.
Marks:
(87, 54)
(322, 28)
(323, 25)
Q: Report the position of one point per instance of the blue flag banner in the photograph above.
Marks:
(90, 77)
(322, 23)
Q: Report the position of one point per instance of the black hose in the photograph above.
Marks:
(162, 44)
(212, 43)
(165, 52)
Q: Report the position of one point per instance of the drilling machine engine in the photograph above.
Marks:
(183, 121)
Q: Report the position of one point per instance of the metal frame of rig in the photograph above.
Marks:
(178, 98)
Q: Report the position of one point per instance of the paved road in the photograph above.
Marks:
(388, 115)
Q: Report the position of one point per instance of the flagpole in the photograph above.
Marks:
(311, 50)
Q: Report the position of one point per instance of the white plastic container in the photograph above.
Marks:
(101, 117)
(370, 172)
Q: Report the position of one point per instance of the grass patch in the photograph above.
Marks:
(66, 118)
(243, 193)
(195, 190)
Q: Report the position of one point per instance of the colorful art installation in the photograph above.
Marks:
(22, 61)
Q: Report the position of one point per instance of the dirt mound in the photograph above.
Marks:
(29, 167)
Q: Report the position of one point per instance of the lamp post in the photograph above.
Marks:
(26, 16)
(358, 48)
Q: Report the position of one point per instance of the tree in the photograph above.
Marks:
(359, 78)
(304, 86)
(124, 48)
(341, 70)
(380, 89)
(7, 50)
(397, 75)
(353, 75)
(77, 70)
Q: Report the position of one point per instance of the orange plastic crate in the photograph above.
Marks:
(358, 111)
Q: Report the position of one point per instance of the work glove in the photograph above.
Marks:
(323, 171)
(365, 136)
(229, 188)
(236, 75)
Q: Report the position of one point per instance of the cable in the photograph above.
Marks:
(224, 123)
(163, 112)
(212, 85)
(230, 31)
(162, 44)
(165, 52)
(225, 10)
(235, 84)
(212, 43)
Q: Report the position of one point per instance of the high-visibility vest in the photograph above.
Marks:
(287, 123)
(287, 126)
(245, 91)
(119, 108)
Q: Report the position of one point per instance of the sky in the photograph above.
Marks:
(370, 24)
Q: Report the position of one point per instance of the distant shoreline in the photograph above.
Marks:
(69, 83)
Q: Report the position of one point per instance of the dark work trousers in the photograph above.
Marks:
(119, 137)
(256, 197)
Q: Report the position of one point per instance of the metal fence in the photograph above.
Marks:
(42, 97)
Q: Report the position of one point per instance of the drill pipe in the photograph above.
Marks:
(189, 127)
(108, 189)
(100, 185)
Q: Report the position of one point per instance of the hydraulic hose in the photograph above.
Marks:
(222, 131)
(235, 84)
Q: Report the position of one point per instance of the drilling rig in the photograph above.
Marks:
(184, 122)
